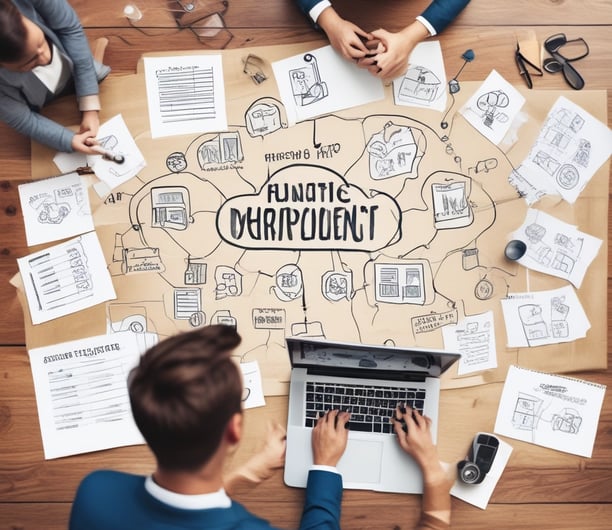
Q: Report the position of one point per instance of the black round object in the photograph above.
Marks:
(515, 249)
(468, 472)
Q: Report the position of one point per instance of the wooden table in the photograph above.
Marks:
(540, 488)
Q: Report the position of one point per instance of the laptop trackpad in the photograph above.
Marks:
(361, 461)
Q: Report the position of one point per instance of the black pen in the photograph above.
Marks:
(523, 69)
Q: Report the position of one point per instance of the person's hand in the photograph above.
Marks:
(414, 436)
(86, 137)
(270, 457)
(392, 61)
(329, 438)
(344, 36)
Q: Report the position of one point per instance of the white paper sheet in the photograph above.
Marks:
(424, 83)
(66, 278)
(550, 410)
(114, 136)
(321, 81)
(571, 147)
(185, 94)
(544, 317)
(493, 107)
(67, 162)
(479, 494)
(474, 339)
(253, 390)
(55, 208)
(555, 247)
(81, 394)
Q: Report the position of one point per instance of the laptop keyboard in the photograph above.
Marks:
(370, 406)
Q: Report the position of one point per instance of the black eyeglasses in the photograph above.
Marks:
(522, 62)
(563, 53)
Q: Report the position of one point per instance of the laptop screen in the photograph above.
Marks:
(348, 356)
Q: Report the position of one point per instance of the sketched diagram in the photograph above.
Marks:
(170, 207)
(49, 209)
(222, 149)
(532, 320)
(489, 104)
(265, 116)
(398, 283)
(419, 84)
(451, 208)
(567, 420)
(526, 413)
(559, 133)
(306, 83)
(396, 150)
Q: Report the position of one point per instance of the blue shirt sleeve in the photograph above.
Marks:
(441, 13)
(323, 501)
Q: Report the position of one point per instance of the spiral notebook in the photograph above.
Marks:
(553, 411)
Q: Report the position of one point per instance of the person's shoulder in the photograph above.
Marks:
(245, 520)
(106, 479)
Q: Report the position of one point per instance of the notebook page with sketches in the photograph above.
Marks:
(493, 107)
(424, 83)
(55, 208)
(571, 147)
(550, 410)
(320, 82)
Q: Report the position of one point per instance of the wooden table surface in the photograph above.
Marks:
(540, 488)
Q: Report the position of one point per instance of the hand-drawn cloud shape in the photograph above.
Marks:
(307, 207)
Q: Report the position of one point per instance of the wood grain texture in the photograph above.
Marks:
(540, 488)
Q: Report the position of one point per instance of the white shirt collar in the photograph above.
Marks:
(218, 499)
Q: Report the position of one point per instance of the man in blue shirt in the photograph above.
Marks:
(186, 400)
(383, 53)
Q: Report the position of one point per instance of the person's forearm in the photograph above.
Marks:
(436, 494)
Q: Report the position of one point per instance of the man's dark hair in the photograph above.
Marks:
(12, 33)
(184, 392)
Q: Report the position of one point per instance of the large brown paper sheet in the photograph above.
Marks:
(210, 265)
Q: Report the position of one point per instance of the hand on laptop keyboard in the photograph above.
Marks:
(329, 437)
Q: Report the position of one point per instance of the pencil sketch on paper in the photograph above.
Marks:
(490, 104)
(555, 247)
(570, 147)
(395, 150)
(265, 116)
(55, 208)
(419, 85)
(306, 82)
(550, 410)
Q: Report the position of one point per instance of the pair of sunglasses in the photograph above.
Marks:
(564, 52)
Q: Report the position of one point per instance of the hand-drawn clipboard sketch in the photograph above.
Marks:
(55, 208)
(550, 410)
(571, 146)
(493, 107)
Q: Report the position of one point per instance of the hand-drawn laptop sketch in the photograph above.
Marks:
(369, 381)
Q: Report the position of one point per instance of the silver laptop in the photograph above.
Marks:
(369, 381)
